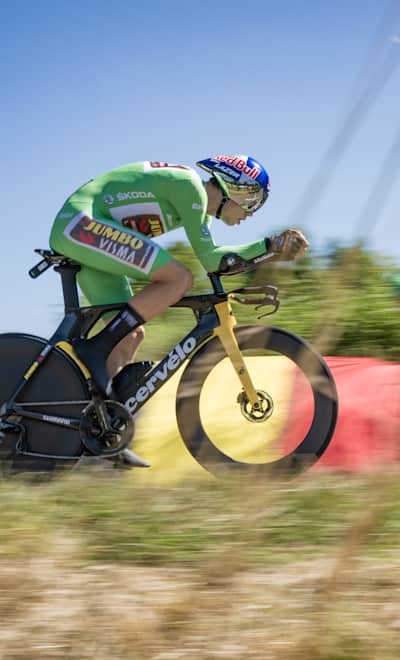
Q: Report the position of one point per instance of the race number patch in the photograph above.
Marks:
(121, 245)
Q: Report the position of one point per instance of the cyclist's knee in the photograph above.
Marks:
(177, 276)
(185, 280)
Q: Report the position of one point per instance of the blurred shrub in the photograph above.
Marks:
(343, 302)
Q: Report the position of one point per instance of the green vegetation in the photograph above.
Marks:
(101, 564)
(113, 519)
(344, 303)
(93, 566)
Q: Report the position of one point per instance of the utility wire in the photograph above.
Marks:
(384, 35)
(359, 109)
(377, 198)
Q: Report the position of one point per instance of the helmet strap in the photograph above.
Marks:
(221, 206)
(225, 197)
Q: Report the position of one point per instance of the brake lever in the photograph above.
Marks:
(275, 302)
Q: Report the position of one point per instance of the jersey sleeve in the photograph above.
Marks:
(212, 254)
(192, 208)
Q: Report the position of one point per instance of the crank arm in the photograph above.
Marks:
(101, 412)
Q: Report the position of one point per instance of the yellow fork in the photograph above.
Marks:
(228, 340)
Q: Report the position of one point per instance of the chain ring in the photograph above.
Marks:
(114, 439)
(253, 414)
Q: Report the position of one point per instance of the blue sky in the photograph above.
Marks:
(88, 86)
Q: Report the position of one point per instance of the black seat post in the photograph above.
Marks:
(216, 284)
(68, 274)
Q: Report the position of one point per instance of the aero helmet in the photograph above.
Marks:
(241, 178)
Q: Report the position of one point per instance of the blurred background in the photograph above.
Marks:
(169, 561)
(309, 89)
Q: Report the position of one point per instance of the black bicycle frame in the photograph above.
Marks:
(78, 321)
(151, 382)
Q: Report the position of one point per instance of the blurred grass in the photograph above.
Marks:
(112, 518)
(96, 566)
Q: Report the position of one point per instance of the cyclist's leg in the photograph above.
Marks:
(168, 284)
(101, 289)
(105, 246)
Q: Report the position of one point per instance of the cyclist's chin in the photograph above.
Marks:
(230, 221)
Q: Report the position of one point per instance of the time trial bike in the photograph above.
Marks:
(253, 399)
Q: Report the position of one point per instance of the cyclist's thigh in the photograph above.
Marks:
(104, 245)
(100, 288)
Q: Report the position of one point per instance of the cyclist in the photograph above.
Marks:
(109, 225)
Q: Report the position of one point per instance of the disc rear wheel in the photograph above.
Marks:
(56, 389)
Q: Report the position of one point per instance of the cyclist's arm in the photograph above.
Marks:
(286, 246)
(232, 257)
(192, 208)
(212, 256)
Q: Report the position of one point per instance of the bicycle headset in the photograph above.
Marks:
(240, 178)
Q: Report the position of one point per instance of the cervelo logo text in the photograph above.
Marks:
(175, 359)
(240, 164)
(122, 196)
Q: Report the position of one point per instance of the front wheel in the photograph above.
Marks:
(293, 423)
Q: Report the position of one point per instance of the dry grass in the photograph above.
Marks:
(57, 609)
(305, 571)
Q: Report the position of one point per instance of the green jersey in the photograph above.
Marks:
(109, 225)
(154, 198)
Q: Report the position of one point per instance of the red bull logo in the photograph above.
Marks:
(240, 164)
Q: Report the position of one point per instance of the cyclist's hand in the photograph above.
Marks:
(288, 245)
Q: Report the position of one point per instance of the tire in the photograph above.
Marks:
(58, 380)
(302, 427)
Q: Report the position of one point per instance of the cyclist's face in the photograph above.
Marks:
(233, 214)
